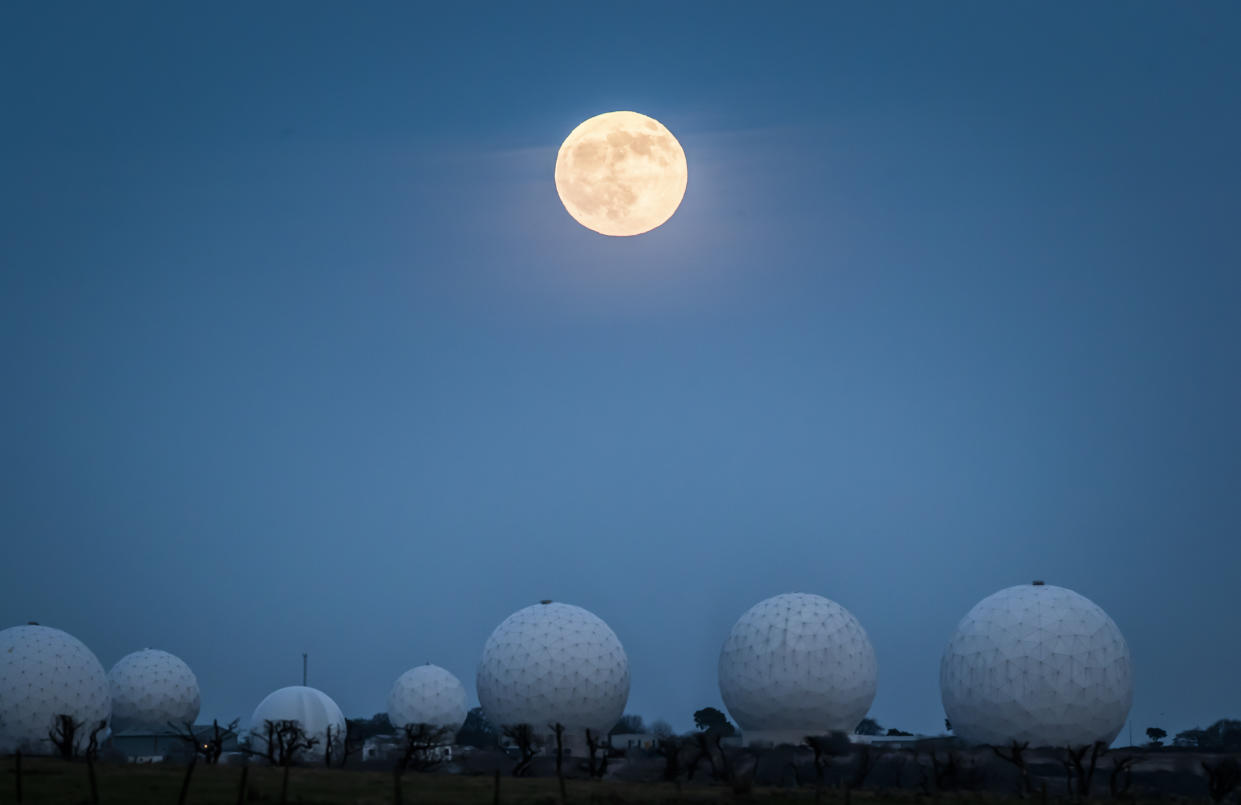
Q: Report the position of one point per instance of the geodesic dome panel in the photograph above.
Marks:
(150, 689)
(798, 663)
(554, 663)
(45, 673)
(313, 709)
(427, 694)
(1036, 663)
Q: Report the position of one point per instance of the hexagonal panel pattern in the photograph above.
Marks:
(310, 707)
(554, 663)
(151, 688)
(800, 664)
(45, 672)
(1036, 663)
(427, 694)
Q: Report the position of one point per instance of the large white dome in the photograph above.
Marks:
(427, 694)
(796, 665)
(313, 709)
(45, 673)
(1036, 663)
(554, 663)
(150, 689)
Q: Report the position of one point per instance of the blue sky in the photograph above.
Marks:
(304, 354)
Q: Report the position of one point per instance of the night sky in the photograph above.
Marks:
(301, 352)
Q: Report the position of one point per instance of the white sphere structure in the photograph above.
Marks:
(150, 689)
(46, 673)
(1040, 664)
(554, 663)
(795, 665)
(427, 694)
(311, 708)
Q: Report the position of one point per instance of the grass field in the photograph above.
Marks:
(47, 781)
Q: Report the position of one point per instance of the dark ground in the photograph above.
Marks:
(896, 778)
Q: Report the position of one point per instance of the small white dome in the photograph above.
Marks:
(798, 664)
(1036, 663)
(313, 709)
(427, 694)
(554, 663)
(150, 690)
(45, 673)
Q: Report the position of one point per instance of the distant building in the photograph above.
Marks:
(155, 746)
(148, 746)
(573, 742)
(382, 747)
(392, 747)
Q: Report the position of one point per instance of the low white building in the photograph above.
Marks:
(155, 746)
(392, 747)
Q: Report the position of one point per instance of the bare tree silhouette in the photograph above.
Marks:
(352, 742)
(558, 730)
(211, 746)
(92, 744)
(1079, 770)
(522, 735)
(284, 741)
(597, 747)
(952, 773)
(1121, 777)
(63, 735)
(825, 748)
(329, 743)
(1017, 756)
(421, 745)
(705, 751)
(1222, 778)
(866, 762)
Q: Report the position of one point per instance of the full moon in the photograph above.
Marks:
(621, 173)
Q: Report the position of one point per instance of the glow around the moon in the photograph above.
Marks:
(621, 173)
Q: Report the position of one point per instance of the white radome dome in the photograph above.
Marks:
(150, 690)
(427, 694)
(1036, 663)
(797, 664)
(554, 663)
(44, 673)
(313, 709)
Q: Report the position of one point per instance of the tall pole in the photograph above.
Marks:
(303, 670)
